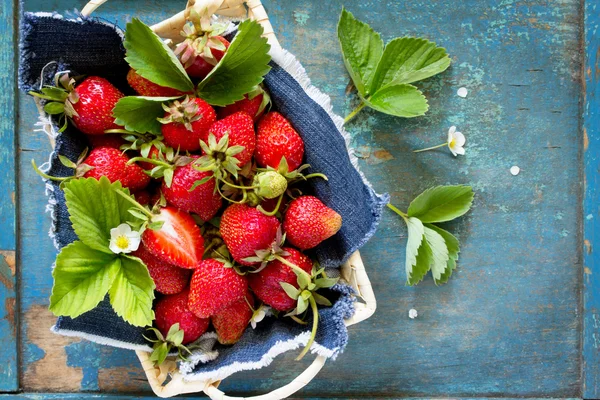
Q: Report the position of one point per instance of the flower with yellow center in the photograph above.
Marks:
(455, 143)
(123, 239)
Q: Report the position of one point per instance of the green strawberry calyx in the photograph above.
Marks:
(267, 255)
(165, 345)
(60, 98)
(182, 112)
(306, 295)
(79, 166)
(165, 163)
(200, 39)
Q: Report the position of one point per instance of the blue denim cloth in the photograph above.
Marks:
(50, 38)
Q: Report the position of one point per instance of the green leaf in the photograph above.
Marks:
(441, 203)
(439, 253)
(151, 58)
(54, 108)
(362, 48)
(290, 290)
(140, 113)
(242, 67)
(407, 60)
(401, 100)
(422, 265)
(82, 277)
(416, 233)
(132, 293)
(95, 209)
(453, 250)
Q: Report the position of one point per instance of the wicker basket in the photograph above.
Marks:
(353, 271)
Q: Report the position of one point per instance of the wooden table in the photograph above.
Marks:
(520, 318)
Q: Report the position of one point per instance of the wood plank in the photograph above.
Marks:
(8, 243)
(507, 324)
(591, 203)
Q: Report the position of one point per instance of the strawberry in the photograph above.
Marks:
(144, 87)
(173, 309)
(276, 138)
(246, 230)
(202, 65)
(109, 140)
(178, 241)
(307, 222)
(110, 162)
(88, 105)
(240, 130)
(142, 197)
(152, 154)
(231, 322)
(215, 287)
(168, 278)
(253, 103)
(93, 110)
(266, 284)
(203, 200)
(186, 122)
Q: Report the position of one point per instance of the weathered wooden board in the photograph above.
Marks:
(509, 323)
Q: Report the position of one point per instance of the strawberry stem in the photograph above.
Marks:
(237, 186)
(46, 176)
(271, 213)
(242, 201)
(313, 333)
(316, 175)
(354, 112)
(135, 203)
(294, 267)
(431, 148)
(125, 131)
(149, 160)
(397, 211)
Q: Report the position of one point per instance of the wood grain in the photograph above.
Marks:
(9, 369)
(591, 204)
(509, 323)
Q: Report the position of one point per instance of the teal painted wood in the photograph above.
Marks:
(9, 369)
(591, 203)
(509, 322)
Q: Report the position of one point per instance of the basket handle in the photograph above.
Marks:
(171, 27)
(177, 385)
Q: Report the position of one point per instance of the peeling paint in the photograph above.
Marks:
(588, 246)
(301, 17)
(10, 306)
(586, 140)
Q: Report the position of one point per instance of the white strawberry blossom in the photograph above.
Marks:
(259, 314)
(123, 239)
(455, 143)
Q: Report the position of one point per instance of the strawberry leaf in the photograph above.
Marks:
(362, 48)
(439, 252)
(453, 250)
(415, 270)
(95, 208)
(82, 277)
(407, 60)
(151, 58)
(140, 113)
(242, 67)
(401, 100)
(132, 292)
(441, 203)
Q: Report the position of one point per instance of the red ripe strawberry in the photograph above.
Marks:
(186, 122)
(168, 278)
(246, 230)
(231, 322)
(93, 109)
(108, 140)
(144, 87)
(178, 241)
(142, 197)
(112, 163)
(276, 138)
(266, 283)
(202, 200)
(251, 106)
(215, 287)
(307, 222)
(240, 128)
(200, 67)
(172, 310)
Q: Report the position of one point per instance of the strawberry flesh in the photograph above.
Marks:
(178, 241)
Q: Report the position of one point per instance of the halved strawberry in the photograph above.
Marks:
(178, 241)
